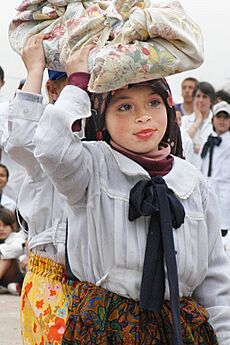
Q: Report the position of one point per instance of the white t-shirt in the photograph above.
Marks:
(8, 202)
(200, 136)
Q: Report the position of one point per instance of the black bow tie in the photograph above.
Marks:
(209, 146)
(153, 198)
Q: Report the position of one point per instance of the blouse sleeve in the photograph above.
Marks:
(27, 109)
(58, 149)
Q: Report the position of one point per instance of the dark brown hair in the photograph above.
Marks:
(207, 89)
(6, 170)
(8, 218)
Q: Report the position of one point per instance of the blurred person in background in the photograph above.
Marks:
(16, 172)
(222, 95)
(187, 87)
(54, 85)
(12, 246)
(198, 125)
(216, 165)
(5, 200)
(2, 82)
(41, 206)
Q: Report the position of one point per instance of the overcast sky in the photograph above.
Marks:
(213, 18)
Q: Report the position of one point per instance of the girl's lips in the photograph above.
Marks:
(145, 133)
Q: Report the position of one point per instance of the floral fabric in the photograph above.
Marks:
(98, 316)
(136, 40)
(44, 302)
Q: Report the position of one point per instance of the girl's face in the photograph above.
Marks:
(3, 178)
(136, 119)
(5, 230)
(202, 102)
(221, 122)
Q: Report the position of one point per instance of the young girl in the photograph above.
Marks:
(46, 291)
(215, 163)
(12, 245)
(120, 215)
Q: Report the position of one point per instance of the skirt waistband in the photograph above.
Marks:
(46, 267)
(103, 317)
(86, 291)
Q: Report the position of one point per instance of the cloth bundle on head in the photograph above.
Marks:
(96, 130)
(136, 40)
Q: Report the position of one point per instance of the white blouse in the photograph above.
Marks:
(200, 136)
(39, 202)
(104, 247)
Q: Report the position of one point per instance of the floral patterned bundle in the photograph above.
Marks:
(137, 40)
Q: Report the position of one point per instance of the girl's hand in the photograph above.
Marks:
(198, 114)
(78, 62)
(33, 53)
(197, 123)
(34, 59)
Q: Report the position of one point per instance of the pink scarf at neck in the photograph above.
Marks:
(156, 163)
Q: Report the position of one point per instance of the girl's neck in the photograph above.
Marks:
(155, 163)
(162, 152)
(206, 114)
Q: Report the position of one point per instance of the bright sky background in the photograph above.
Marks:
(212, 17)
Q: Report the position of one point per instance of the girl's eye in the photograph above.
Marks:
(124, 107)
(154, 102)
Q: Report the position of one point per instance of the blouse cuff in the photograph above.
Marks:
(79, 79)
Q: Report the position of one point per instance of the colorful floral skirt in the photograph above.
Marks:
(45, 300)
(98, 316)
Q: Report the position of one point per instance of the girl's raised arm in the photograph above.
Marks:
(58, 146)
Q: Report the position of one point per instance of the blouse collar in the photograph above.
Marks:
(181, 179)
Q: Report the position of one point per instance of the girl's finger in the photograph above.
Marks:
(88, 47)
(38, 38)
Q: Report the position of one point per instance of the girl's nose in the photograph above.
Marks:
(143, 118)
